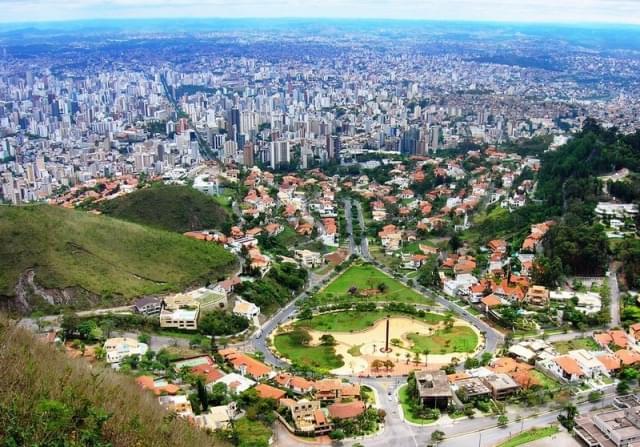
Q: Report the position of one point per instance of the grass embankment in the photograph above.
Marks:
(49, 399)
(530, 435)
(108, 258)
(168, 207)
(353, 320)
(362, 283)
(320, 357)
(407, 408)
(445, 341)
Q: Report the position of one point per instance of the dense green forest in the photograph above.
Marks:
(169, 207)
(567, 192)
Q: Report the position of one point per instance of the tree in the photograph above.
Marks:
(144, 338)
(503, 420)
(388, 365)
(377, 364)
(327, 340)
(437, 436)
(337, 434)
(305, 314)
(485, 359)
(623, 387)
(202, 394)
(568, 420)
(100, 353)
(426, 353)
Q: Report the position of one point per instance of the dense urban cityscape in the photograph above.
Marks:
(290, 232)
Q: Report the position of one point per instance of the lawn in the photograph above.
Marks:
(366, 277)
(369, 395)
(445, 341)
(414, 247)
(100, 256)
(577, 343)
(545, 381)
(407, 410)
(252, 432)
(321, 357)
(353, 320)
(288, 237)
(530, 435)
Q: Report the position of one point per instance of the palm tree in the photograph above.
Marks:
(426, 353)
(416, 358)
(408, 357)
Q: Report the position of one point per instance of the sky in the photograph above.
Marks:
(554, 11)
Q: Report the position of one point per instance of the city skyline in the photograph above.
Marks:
(528, 11)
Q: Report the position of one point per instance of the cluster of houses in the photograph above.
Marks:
(311, 406)
(96, 191)
(615, 350)
(182, 310)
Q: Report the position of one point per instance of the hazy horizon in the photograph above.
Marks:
(569, 12)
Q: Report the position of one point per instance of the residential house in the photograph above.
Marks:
(158, 386)
(390, 238)
(309, 259)
(247, 366)
(335, 390)
(308, 416)
(180, 312)
(120, 347)
(236, 383)
(176, 404)
(246, 309)
(537, 296)
(269, 392)
(219, 417)
(148, 305)
(346, 410)
(567, 368)
(588, 363)
(501, 385)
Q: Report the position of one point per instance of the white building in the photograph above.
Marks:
(236, 383)
(119, 348)
(246, 309)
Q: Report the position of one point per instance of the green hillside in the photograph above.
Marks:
(101, 260)
(48, 399)
(169, 207)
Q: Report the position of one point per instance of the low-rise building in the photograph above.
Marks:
(619, 428)
(177, 404)
(179, 312)
(246, 309)
(120, 347)
(433, 389)
(247, 366)
(501, 385)
(219, 417)
(537, 296)
(309, 259)
(308, 416)
(148, 305)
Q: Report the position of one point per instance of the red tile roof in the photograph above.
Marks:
(346, 410)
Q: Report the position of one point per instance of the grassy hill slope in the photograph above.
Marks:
(106, 259)
(48, 399)
(169, 207)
